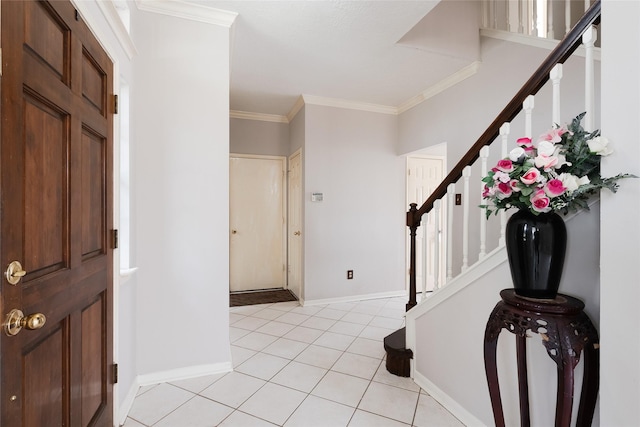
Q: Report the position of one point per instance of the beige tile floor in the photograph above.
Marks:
(299, 366)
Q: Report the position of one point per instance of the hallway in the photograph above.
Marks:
(299, 366)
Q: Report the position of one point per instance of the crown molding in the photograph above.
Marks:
(115, 23)
(245, 115)
(191, 11)
(350, 105)
(296, 108)
(441, 86)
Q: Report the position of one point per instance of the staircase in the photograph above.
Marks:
(475, 246)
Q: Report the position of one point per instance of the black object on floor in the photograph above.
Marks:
(398, 355)
(270, 296)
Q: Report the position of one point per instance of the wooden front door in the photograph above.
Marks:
(56, 197)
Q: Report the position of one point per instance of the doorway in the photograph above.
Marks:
(257, 222)
(424, 174)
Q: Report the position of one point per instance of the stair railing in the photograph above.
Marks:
(542, 18)
(584, 32)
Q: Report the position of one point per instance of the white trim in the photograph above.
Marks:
(117, 26)
(191, 11)
(354, 298)
(295, 109)
(351, 105)
(540, 42)
(127, 403)
(245, 115)
(441, 86)
(448, 402)
(184, 373)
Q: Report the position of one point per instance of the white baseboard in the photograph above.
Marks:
(168, 376)
(445, 400)
(125, 407)
(353, 298)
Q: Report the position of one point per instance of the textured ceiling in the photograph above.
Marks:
(378, 52)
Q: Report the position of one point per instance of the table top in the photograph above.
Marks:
(561, 304)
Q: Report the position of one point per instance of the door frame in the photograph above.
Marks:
(283, 183)
(443, 240)
(298, 291)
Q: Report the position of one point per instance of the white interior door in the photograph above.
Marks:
(294, 233)
(424, 174)
(257, 222)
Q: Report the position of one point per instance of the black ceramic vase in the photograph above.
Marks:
(536, 247)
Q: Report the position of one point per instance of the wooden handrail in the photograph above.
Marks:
(540, 77)
(560, 54)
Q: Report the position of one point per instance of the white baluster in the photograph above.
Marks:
(425, 245)
(567, 16)
(436, 249)
(589, 39)
(505, 130)
(527, 106)
(550, 32)
(466, 174)
(556, 75)
(504, 134)
(451, 188)
(520, 17)
(587, 5)
(534, 18)
(484, 153)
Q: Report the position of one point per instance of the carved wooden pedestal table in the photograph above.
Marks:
(566, 332)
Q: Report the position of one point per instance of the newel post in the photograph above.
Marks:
(413, 222)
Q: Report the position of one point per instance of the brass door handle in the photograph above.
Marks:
(14, 272)
(297, 233)
(234, 231)
(16, 320)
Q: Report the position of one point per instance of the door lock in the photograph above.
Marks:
(14, 272)
(16, 320)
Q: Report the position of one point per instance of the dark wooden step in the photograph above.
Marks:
(398, 355)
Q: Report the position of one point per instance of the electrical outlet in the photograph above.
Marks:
(458, 199)
(349, 274)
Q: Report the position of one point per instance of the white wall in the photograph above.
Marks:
(180, 129)
(259, 137)
(620, 227)
(350, 157)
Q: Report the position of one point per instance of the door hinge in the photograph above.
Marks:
(114, 373)
(114, 239)
(115, 104)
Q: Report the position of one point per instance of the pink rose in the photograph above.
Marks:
(554, 135)
(531, 176)
(503, 190)
(546, 162)
(488, 192)
(505, 165)
(540, 202)
(554, 188)
(526, 144)
(514, 185)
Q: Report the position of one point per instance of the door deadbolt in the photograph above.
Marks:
(14, 272)
(16, 320)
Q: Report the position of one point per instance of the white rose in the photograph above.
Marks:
(546, 148)
(570, 182)
(516, 153)
(600, 146)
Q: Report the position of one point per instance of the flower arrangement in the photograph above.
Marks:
(557, 173)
